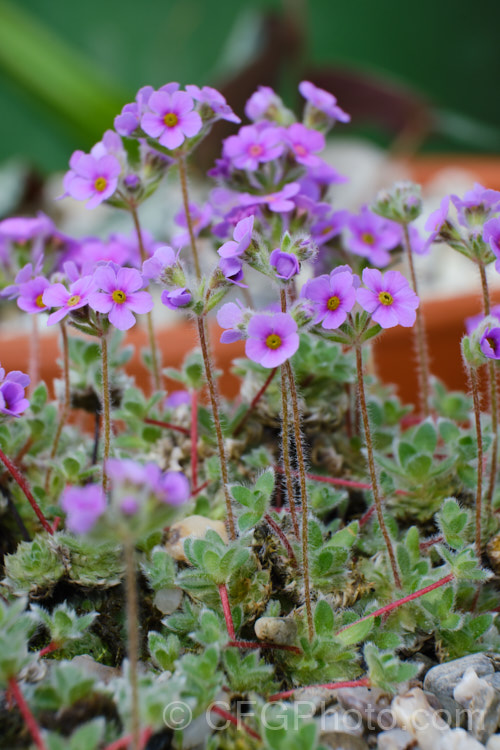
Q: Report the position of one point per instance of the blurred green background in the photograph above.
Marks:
(67, 68)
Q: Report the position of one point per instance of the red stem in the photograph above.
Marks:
(400, 602)
(194, 438)
(197, 490)
(28, 717)
(227, 611)
(254, 402)
(283, 538)
(167, 425)
(366, 516)
(260, 644)
(124, 742)
(237, 722)
(55, 524)
(336, 481)
(363, 682)
(53, 646)
(23, 484)
(430, 542)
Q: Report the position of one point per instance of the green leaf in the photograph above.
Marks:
(425, 439)
(355, 633)
(418, 466)
(243, 495)
(323, 619)
(265, 483)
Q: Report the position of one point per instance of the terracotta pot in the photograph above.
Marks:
(394, 350)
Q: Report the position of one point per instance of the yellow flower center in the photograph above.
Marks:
(368, 238)
(74, 300)
(118, 296)
(385, 298)
(171, 120)
(101, 184)
(273, 341)
(39, 301)
(333, 303)
(255, 150)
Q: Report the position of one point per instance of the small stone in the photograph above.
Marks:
(395, 739)
(193, 527)
(443, 678)
(372, 704)
(482, 702)
(276, 629)
(167, 600)
(337, 720)
(91, 667)
(343, 741)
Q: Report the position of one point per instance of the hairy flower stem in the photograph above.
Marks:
(285, 442)
(29, 719)
(421, 339)
(23, 484)
(399, 603)
(254, 402)
(149, 316)
(132, 638)
(303, 495)
(363, 682)
(214, 402)
(106, 409)
(493, 398)
(371, 466)
(474, 381)
(189, 221)
(66, 407)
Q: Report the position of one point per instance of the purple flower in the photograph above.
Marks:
(180, 297)
(91, 178)
(278, 202)
(253, 146)
(324, 229)
(323, 100)
(21, 229)
(472, 322)
(230, 316)
(333, 296)
(305, 142)
(477, 205)
(173, 488)
(285, 264)
(172, 118)
(262, 104)
(232, 268)
(491, 234)
(24, 275)
(177, 398)
(490, 343)
(272, 339)
(388, 298)
(57, 295)
(130, 117)
(12, 400)
(418, 245)
(372, 237)
(120, 297)
(436, 220)
(31, 295)
(242, 237)
(164, 257)
(215, 100)
(83, 506)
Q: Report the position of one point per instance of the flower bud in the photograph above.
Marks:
(401, 203)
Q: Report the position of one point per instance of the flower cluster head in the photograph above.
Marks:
(323, 103)
(372, 237)
(333, 296)
(119, 296)
(12, 386)
(272, 338)
(402, 203)
(388, 298)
